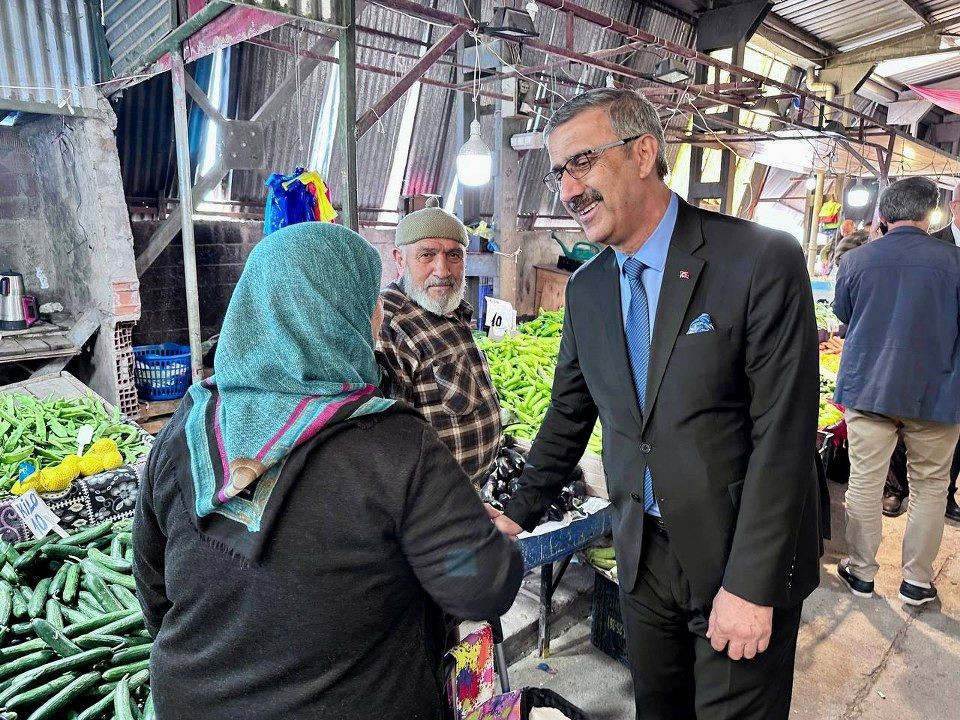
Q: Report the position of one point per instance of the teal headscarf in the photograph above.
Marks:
(295, 355)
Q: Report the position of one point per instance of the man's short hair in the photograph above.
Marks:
(910, 199)
(630, 114)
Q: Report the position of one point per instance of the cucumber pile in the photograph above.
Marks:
(72, 638)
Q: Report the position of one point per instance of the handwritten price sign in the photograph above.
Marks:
(36, 515)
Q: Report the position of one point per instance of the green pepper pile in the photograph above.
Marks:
(45, 431)
(522, 368)
(72, 636)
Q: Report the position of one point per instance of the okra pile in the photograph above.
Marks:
(72, 638)
(45, 431)
(522, 367)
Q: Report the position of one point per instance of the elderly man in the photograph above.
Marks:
(951, 234)
(692, 337)
(426, 343)
(900, 374)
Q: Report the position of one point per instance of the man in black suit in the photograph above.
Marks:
(951, 234)
(692, 337)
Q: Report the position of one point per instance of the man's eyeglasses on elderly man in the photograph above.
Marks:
(581, 163)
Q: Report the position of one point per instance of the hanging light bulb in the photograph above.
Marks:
(811, 183)
(858, 195)
(936, 217)
(474, 161)
(610, 82)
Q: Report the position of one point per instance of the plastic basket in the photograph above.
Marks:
(162, 372)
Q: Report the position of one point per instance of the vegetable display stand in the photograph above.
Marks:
(162, 372)
(559, 546)
(107, 495)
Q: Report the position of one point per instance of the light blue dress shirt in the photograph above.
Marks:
(653, 254)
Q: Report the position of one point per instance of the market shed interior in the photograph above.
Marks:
(142, 144)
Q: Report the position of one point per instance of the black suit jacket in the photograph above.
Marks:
(945, 233)
(730, 427)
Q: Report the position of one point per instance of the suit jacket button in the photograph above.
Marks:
(636, 498)
(645, 448)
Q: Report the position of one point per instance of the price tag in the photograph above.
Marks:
(501, 318)
(36, 515)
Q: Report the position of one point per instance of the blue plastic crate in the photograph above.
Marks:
(161, 372)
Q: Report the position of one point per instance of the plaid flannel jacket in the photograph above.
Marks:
(432, 363)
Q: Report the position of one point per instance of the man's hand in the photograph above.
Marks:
(504, 524)
(739, 627)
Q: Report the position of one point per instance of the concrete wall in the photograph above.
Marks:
(64, 225)
(222, 250)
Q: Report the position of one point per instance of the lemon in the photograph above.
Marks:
(103, 445)
(91, 465)
(112, 460)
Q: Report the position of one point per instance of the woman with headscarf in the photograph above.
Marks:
(298, 536)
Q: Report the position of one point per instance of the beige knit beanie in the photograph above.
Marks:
(431, 222)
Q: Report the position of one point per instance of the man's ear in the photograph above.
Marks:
(645, 150)
(398, 259)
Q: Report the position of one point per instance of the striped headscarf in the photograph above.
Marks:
(295, 357)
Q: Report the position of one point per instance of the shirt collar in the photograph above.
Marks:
(653, 253)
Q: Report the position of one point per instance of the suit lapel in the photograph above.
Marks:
(680, 276)
(610, 307)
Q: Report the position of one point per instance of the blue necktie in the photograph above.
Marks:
(638, 347)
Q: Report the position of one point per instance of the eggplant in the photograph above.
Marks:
(487, 492)
(516, 460)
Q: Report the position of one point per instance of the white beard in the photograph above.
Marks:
(421, 296)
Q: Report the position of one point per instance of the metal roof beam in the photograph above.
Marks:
(917, 9)
(377, 110)
(798, 35)
(924, 41)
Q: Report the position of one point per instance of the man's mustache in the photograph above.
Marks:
(439, 283)
(581, 201)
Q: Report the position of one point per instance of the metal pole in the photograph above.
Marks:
(186, 212)
(348, 113)
(814, 224)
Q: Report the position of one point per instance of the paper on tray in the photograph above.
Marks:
(590, 506)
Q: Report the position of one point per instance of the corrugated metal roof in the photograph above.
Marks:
(847, 24)
(132, 27)
(145, 139)
(47, 55)
(258, 72)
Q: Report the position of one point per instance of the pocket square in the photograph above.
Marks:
(702, 324)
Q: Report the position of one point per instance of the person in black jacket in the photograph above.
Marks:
(692, 336)
(900, 375)
(951, 233)
(298, 536)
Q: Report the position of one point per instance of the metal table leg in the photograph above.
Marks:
(546, 600)
(499, 657)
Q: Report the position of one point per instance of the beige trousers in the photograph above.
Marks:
(930, 447)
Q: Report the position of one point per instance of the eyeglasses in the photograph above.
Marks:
(581, 163)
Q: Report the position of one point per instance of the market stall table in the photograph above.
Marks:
(543, 550)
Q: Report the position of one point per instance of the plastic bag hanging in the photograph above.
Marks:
(299, 197)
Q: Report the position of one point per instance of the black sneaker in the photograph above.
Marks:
(915, 595)
(860, 588)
